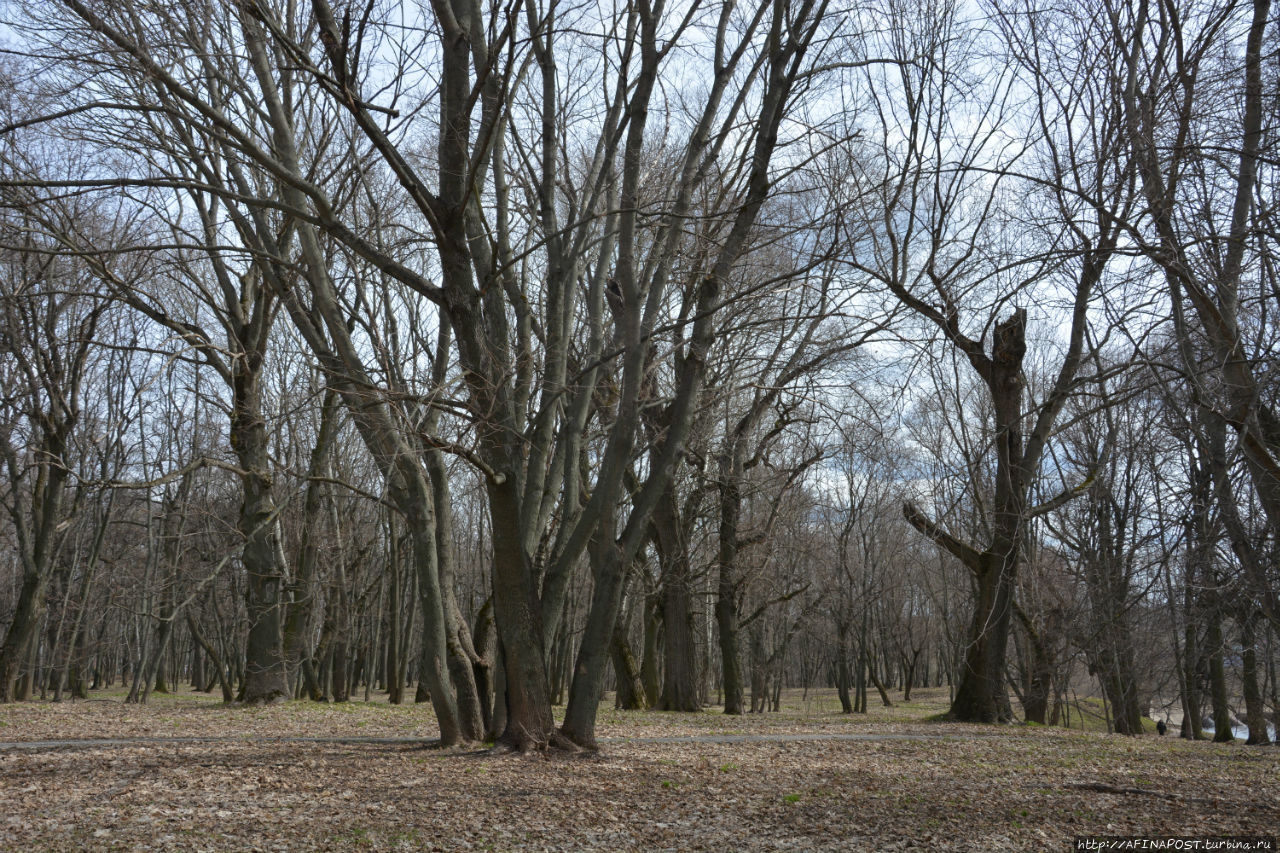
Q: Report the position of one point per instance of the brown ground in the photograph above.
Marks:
(953, 788)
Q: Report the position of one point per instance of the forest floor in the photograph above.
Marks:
(187, 773)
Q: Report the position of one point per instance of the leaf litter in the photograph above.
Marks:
(950, 787)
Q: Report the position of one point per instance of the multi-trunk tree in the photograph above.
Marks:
(509, 228)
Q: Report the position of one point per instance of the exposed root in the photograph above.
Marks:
(560, 741)
(436, 745)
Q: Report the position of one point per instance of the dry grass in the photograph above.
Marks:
(955, 787)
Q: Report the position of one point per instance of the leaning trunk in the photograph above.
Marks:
(589, 670)
(22, 630)
(414, 503)
(462, 656)
(630, 694)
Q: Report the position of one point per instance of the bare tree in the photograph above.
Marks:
(50, 319)
(937, 250)
(1186, 107)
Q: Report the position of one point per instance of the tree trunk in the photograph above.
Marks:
(266, 678)
(680, 662)
(298, 615)
(1192, 711)
(1218, 681)
(650, 666)
(879, 685)
(597, 640)
(22, 630)
(980, 696)
(727, 589)
(220, 669)
(843, 672)
(36, 548)
(630, 693)
(1255, 711)
(529, 722)
(1038, 669)
(484, 641)
(391, 657)
(909, 674)
(459, 647)
(759, 677)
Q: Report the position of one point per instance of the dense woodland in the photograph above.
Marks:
(501, 353)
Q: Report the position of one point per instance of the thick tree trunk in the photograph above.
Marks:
(730, 657)
(1255, 711)
(341, 675)
(680, 663)
(727, 587)
(680, 667)
(1038, 687)
(529, 722)
(266, 678)
(1218, 681)
(980, 696)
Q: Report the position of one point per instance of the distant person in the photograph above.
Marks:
(1161, 728)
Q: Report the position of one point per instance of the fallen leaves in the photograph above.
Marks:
(949, 788)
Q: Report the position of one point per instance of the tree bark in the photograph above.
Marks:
(266, 677)
(630, 693)
(298, 614)
(1255, 711)
(680, 662)
(1218, 680)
